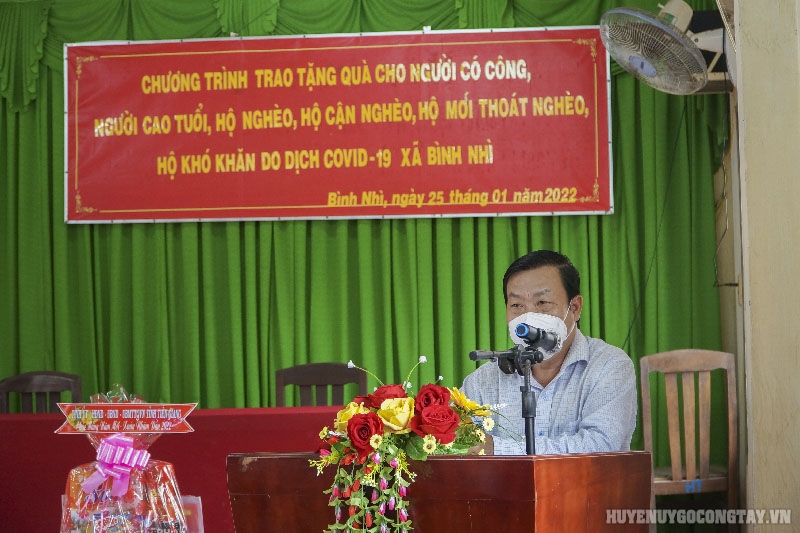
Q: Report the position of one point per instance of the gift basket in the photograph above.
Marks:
(123, 490)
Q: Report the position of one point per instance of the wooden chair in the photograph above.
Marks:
(695, 474)
(42, 388)
(317, 378)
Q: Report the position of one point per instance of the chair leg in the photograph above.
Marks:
(653, 526)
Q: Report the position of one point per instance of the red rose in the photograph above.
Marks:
(437, 420)
(430, 395)
(384, 392)
(360, 429)
(361, 399)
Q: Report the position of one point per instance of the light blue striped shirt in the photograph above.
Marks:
(590, 406)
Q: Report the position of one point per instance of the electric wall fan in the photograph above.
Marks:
(661, 50)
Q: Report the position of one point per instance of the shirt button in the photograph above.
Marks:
(541, 433)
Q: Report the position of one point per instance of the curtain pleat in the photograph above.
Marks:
(23, 27)
(169, 19)
(309, 17)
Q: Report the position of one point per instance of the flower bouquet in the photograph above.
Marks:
(375, 436)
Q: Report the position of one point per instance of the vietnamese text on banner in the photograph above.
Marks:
(479, 123)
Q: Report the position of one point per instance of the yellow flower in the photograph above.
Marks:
(324, 433)
(346, 414)
(470, 406)
(375, 441)
(396, 414)
(429, 443)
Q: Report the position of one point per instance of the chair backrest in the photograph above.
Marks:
(316, 378)
(696, 413)
(42, 389)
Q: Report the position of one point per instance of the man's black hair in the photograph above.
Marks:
(570, 278)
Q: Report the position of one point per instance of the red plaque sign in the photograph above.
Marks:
(127, 417)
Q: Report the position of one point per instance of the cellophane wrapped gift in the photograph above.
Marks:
(123, 490)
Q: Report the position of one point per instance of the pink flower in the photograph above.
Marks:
(384, 484)
(402, 491)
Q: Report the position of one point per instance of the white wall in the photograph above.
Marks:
(768, 90)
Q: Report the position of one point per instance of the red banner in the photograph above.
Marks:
(118, 417)
(383, 125)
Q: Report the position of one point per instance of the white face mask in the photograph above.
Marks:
(549, 323)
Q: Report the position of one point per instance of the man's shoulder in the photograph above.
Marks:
(599, 351)
(489, 368)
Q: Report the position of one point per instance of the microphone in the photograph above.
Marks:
(483, 355)
(538, 338)
(504, 358)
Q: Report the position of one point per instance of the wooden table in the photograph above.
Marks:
(35, 461)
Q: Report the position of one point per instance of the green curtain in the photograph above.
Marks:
(207, 312)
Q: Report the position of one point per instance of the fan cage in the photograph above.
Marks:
(675, 63)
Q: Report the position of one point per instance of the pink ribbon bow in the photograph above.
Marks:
(116, 457)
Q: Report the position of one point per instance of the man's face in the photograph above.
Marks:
(539, 291)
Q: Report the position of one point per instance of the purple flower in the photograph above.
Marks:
(383, 529)
(384, 484)
(402, 491)
(403, 515)
(338, 513)
(381, 509)
(336, 492)
(392, 503)
(373, 496)
(394, 463)
(376, 458)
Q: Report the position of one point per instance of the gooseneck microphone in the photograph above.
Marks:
(537, 338)
(521, 359)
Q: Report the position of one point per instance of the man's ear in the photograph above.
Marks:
(576, 306)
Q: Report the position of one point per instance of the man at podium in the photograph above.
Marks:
(585, 389)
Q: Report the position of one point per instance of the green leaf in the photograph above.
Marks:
(415, 449)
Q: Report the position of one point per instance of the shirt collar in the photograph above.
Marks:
(578, 350)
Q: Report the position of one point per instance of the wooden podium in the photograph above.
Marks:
(543, 493)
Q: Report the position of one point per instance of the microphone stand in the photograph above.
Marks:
(522, 359)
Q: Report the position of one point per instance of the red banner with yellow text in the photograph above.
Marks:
(427, 124)
(129, 417)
